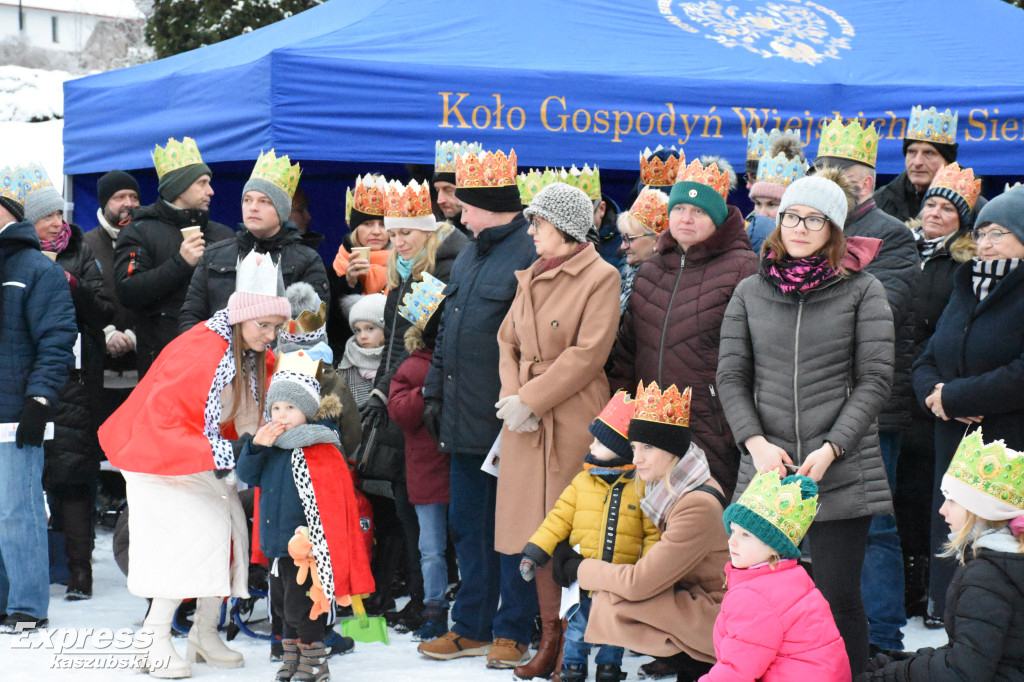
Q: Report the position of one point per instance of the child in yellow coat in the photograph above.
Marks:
(600, 512)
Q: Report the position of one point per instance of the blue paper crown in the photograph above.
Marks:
(422, 301)
(12, 183)
(780, 170)
(759, 142)
(445, 154)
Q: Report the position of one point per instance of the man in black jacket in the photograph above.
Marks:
(266, 207)
(153, 259)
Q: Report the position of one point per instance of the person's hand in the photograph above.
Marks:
(118, 344)
(527, 568)
(513, 412)
(374, 412)
(432, 417)
(565, 564)
(531, 424)
(817, 463)
(356, 268)
(934, 402)
(31, 424)
(268, 433)
(192, 248)
(768, 457)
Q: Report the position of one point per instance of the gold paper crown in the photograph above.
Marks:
(175, 155)
(33, 179)
(781, 505)
(710, 176)
(445, 154)
(408, 201)
(668, 407)
(759, 142)
(422, 301)
(587, 180)
(299, 362)
(992, 469)
(490, 169)
(849, 141)
(780, 170)
(278, 171)
(657, 173)
(931, 125)
(368, 197)
(11, 184)
(651, 209)
(308, 321)
(534, 181)
(958, 180)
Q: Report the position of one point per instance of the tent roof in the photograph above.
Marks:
(577, 81)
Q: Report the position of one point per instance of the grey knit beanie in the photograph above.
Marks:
(567, 208)
(368, 309)
(296, 389)
(42, 203)
(1007, 210)
(820, 194)
(282, 202)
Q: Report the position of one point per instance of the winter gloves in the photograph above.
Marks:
(432, 417)
(374, 412)
(565, 564)
(516, 415)
(31, 424)
(527, 568)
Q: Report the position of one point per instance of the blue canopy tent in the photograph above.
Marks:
(597, 81)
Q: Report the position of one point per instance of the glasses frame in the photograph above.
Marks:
(262, 326)
(993, 234)
(802, 219)
(628, 239)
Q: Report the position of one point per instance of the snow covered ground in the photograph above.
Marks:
(27, 94)
(33, 657)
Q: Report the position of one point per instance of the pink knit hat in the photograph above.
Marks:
(244, 306)
(768, 190)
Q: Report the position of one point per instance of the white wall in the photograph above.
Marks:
(73, 30)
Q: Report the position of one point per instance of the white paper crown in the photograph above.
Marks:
(258, 274)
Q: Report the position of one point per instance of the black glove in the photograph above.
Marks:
(374, 412)
(31, 424)
(565, 564)
(432, 417)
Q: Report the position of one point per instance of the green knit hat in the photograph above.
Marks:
(777, 512)
(705, 188)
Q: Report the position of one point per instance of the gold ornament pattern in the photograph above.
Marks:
(651, 209)
(277, 170)
(849, 141)
(668, 407)
(781, 505)
(368, 197)
(990, 468)
(959, 180)
(932, 125)
(490, 169)
(175, 155)
(657, 173)
(412, 201)
(710, 176)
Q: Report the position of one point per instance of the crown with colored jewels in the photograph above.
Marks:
(588, 180)
(279, 171)
(422, 301)
(408, 201)
(534, 181)
(759, 142)
(991, 469)
(850, 141)
(710, 176)
(780, 170)
(175, 155)
(299, 362)
(11, 184)
(666, 407)
(657, 173)
(445, 154)
(33, 179)
(368, 197)
(780, 504)
(651, 209)
(486, 169)
(958, 180)
(931, 125)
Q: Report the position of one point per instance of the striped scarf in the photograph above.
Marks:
(689, 472)
(985, 274)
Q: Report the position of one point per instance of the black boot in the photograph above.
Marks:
(76, 522)
(574, 672)
(606, 672)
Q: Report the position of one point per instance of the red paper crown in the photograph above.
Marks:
(651, 209)
(490, 169)
(657, 173)
(668, 407)
(407, 201)
(710, 176)
(959, 180)
(617, 413)
(368, 196)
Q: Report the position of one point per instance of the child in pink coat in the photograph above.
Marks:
(775, 625)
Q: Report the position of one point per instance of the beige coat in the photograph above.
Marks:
(553, 344)
(668, 601)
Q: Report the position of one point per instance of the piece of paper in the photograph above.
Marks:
(570, 597)
(8, 431)
(490, 465)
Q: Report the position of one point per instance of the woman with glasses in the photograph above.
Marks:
(972, 370)
(805, 367)
(639, 229)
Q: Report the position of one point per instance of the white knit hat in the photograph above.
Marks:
(368, 308)
(820, 194)
(566, 207)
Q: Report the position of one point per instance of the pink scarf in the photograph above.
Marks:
(60, 243)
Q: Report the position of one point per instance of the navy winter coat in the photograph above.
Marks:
(281, 513)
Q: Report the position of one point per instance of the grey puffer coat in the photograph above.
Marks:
(803, 369)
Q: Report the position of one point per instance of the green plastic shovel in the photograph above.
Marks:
(363, 628)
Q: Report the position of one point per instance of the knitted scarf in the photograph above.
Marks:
(798, 274)
(59, 243)
(628, 274)
(403, 266)
(689, 472)
(366, 360)
(929, 248)
(305, 435)
(985, 274)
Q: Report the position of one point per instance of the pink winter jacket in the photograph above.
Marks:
(776, 626)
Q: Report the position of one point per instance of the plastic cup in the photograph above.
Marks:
(187, 232)
(361, 252)
(52, 255)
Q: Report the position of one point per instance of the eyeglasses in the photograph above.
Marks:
(814, 223)
(266, 326)
(993, 235)
(628, 239)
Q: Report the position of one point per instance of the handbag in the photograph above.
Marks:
(377, 460)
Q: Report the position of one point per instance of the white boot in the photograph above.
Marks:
(155, 641)
(204, 644)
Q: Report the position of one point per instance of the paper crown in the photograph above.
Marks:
(618, 413)
(299, 362)
(12, 184)
(279, 171)
(258, 274)
(175, 155)
(588, 180)
(710, 176)
(445, 154)
(987, 479)
(960, 181)
(654, 172)
(533, 182)
(759, 142)
(308, 322)
(486, 169)
(651, 209)
(408, 201)
(849, 141)
(780, 170)
(368, 196)
(33, 179)
(666, 407)
(788, 505)
(422, 301)
(931, 125)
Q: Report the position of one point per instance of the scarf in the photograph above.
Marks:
(111, 231)
(545, 264)
(61, 241)
(798, 274)
(305, 435)
(363, 359)
(997, 540)
(628, 273)
(689, 472)
(403, 266)
(985, 274)
(929, 248)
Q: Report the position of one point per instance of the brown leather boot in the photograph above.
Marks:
(549, 598)
(557, 675)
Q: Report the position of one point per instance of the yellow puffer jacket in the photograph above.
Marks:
(582, 514)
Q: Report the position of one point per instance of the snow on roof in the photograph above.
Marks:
(114, 9)
(27, 94)
(41, 143)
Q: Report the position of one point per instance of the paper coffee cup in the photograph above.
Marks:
(187, 232)
(361, 252)
(52, 255)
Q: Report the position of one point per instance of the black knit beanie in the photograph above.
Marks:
(16, 209)
(445, 176)
(175, 182)
(495, 199)
(113, 182)
(670, 437)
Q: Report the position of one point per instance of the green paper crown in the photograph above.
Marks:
(175, 155)
(533, 182)
(422, 301)
(279, 171)
(849, 141)
(587, 180)
(777, 512)
(992, 469)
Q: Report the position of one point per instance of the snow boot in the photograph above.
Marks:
(549, 598)
(435, 624)
(76, 522)
(289, 660)
(410, 618)
(606, 672)
(337, 644)
(276, 648)
(154, 639)
(312, 663)
(204, 644)
(574, 672)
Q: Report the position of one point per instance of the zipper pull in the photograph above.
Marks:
(711, 388)
(131, 264)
